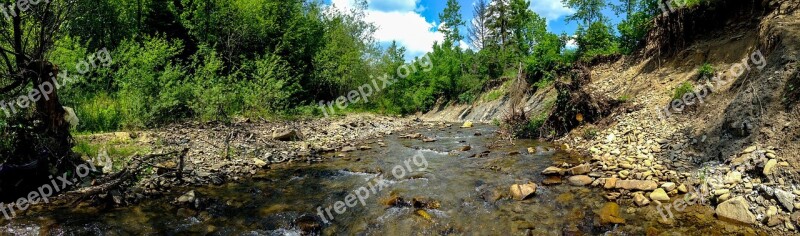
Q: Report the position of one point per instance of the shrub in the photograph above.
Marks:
(706, 71)
(684, 88)
(590, 133)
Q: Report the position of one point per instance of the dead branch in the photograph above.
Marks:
(134, 166)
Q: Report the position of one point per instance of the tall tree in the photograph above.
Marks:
(519, 21)
(43, 139)
(478, 30)
(586, 11)
(452, 20)
(499, 22)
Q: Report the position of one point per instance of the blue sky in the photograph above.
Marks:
(413, 23)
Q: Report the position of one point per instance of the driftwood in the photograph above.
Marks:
(136, 164)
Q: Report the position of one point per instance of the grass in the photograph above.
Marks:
(544, 83)
(493, 95)
(624, 98)
(118, 150)
(684, 88)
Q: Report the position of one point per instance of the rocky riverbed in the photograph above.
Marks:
(473, 183)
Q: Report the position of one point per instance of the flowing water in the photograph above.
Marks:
(463, 187)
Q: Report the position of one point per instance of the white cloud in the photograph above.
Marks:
(571, 43)
(550, 9)
(393, 5)
(399, 20)
(409, 29)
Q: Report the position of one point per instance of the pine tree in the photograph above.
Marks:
(499, 32)
(452, 20)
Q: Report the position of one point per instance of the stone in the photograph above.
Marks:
(520, 192)
(465, 148)
(770, 166)
(640, 199)
(668, 186)
(289, 135)
(719, 192)
(749, 149)
(531, 150)
(610, 183)
(643, 185)
(785, 198)
(553, 171)
(682, 189)
(467, 124)
(552, 180)
(609, 213)
(259, 163)
(733, 177)
(610, 138)
(774, 220)
(772, 210)
(309, 225)
(429, 140)
(348, 149)
(580, 180)
(659, 195)
(580, 169)
(737, 210)
(187, 198)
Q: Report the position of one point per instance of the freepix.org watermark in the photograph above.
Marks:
(44, 192)
(694, 196)
(364, 92)
(756, 58)
(19, 6)
(374, 186)
(43, 90)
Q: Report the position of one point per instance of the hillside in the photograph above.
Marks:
(738, 134)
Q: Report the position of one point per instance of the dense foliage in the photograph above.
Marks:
(218, 59)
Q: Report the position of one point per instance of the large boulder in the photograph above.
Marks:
(737, 210)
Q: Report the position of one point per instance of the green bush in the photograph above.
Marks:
(684, 88)
(590, 133)
(706, 72)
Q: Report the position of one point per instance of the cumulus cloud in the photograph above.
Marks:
(550, 9)
(571, 43)
(399, 20)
